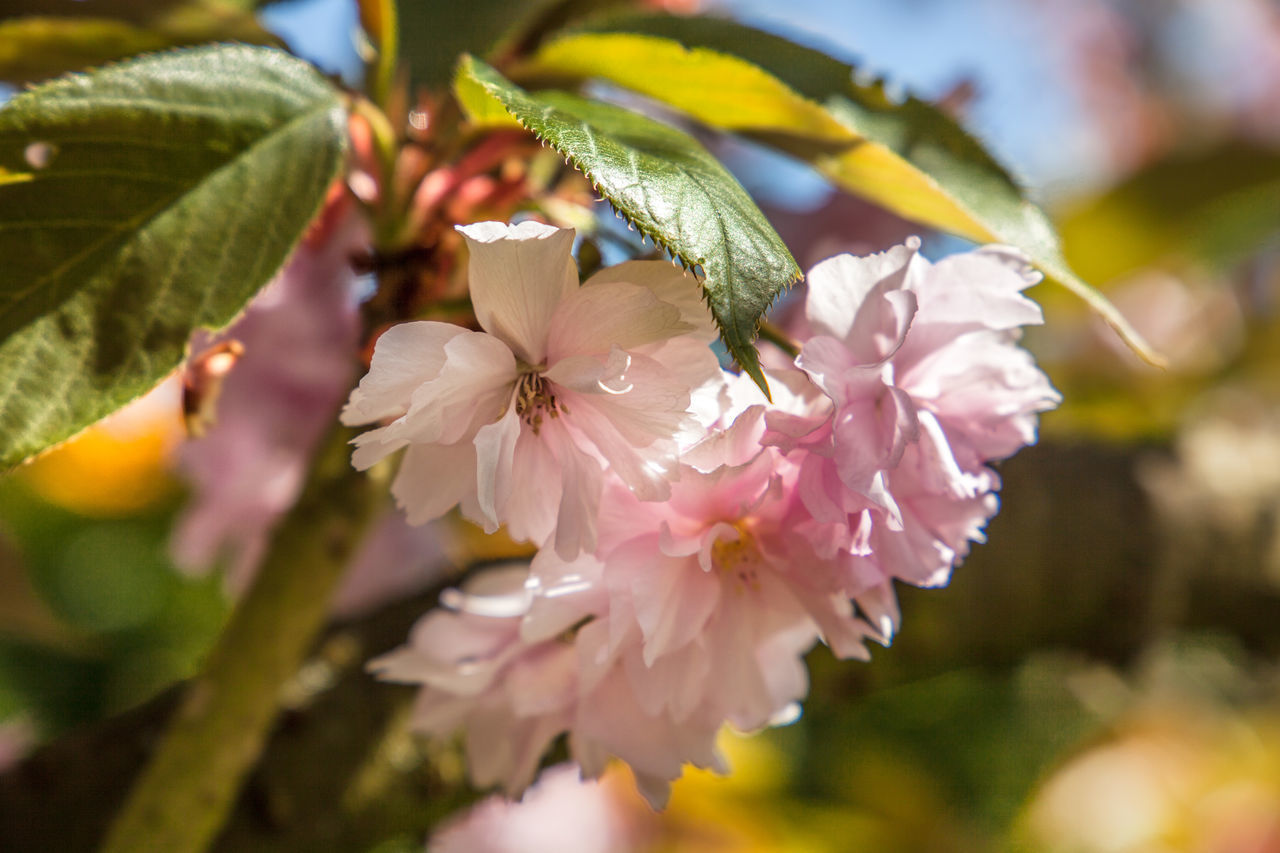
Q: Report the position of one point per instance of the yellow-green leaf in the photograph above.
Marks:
(909, 157)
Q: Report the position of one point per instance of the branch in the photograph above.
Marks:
(183, 796)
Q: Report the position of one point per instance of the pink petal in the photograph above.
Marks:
(871, 435)
(839, 286)
(978, 288)
(432, 478)
(672, 597)
(530, 508)
(581, 484)
(495, 445)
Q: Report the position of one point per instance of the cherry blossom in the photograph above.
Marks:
(518, 423)
(783, 522)
(922, 385)
(512, 682)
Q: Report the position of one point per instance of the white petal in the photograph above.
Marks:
(404, 357)
(495, 445)
(374, 446)
(471, 390)
(565, 592)
(593, 319)
(642, 400)
(517, 276)
(670, 284)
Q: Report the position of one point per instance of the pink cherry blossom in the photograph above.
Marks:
(512, 682)
(922, 384)
(511, 697)
(519, 422)
(710, 598)
(784, 523)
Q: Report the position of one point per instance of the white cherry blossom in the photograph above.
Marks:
(521, 422)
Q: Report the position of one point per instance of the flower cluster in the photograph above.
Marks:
(697, 538)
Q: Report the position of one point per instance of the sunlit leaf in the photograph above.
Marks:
(908, 156)
(673, 190)
(164, 193)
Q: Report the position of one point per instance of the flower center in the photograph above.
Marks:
(739, 558)
(534, 396)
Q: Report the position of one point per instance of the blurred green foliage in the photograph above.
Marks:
(111, 621)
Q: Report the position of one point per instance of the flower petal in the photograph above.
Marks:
(495, 445)
(530, 511)
(404, 357)
(582, 481)
(517, 276)
(593, 319)
(471, 390)
(432, 478)
(670, 284)
(840, 287)
(979, 289)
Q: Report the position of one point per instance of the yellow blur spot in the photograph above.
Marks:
(120, 465)
(466, 544)
(709, 813)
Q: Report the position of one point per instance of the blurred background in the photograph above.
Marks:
(1102, 676)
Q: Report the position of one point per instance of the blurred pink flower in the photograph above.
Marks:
(563, 812)
(393, 561)
(518, 423)
(17, 739)
(509, 696)
(299, 352)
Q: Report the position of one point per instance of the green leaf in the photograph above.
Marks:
(434, 33)
(50, 38)
(909, 157)
(673, 190)
(163, 193)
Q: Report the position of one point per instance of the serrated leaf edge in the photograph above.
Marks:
(751, 364)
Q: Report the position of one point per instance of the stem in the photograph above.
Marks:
(385, 142)
(775, 336)
(184, 795)
(380, 22)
